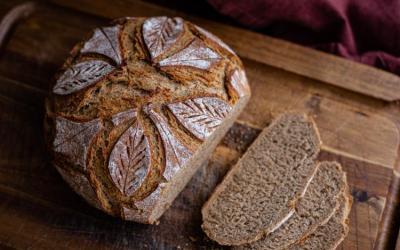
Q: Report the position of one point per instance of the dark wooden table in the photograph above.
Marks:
(355, 106)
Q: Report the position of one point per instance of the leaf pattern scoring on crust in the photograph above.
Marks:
(160, 33)
(81, 75)
(201, 116)
(215, 39)
(239, 82)
(176, 154)
(123, 116)
(145, 206)
(129, 160)
(105, 41)
(73, 139)
(196, 55)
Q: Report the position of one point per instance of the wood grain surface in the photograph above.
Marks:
(351, 103)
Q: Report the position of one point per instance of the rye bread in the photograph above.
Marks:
(331, 234)
(319, 203)
(137, 108)
(260, 192)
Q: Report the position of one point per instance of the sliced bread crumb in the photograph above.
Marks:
(319, 203)
(331, 234)
(264, 186)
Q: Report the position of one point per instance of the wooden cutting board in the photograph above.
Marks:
(355, 106)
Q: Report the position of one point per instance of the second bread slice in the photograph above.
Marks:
(319, 203)
(331, 234)
(260, 192)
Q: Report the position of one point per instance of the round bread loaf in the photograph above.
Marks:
(137, 108)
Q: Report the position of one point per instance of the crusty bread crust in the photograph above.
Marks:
(137, 108)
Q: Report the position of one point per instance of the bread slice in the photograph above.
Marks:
(262, 189)
(319, 203)
(331, 234)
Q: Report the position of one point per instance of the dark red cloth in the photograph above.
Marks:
(367, 31)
